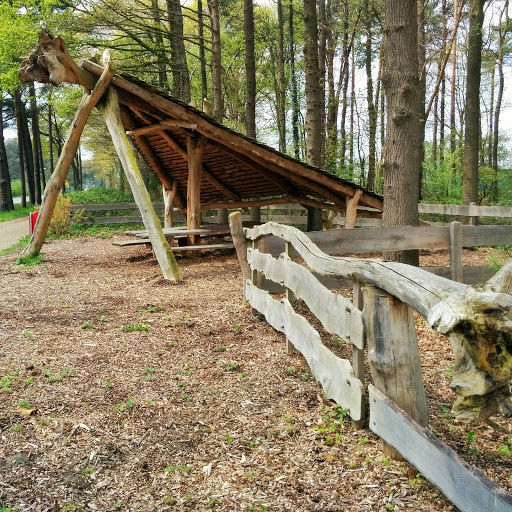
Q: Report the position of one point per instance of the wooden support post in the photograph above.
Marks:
(195, 148)
(473, 220)
(358, 353)
(456, 252)
(112, 116)
(255, 214)
(237, 234)
(351, 215)
(169, 195)
(394, 356)
(314, 219)
(222, 216)
(58, 177)
(288, 248)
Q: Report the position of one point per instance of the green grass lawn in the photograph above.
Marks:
(17, 213)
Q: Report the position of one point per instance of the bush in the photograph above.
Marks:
(100, 195)
(16, 188)
(62, 219)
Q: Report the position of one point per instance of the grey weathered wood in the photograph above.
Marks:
(470, 275)
(330, 282)
(501, 282)
(465, 486)
(474, 236)
(393, 353)
(465, 210)
(337, 314)
(199, 232)
(456, 252)
(358, 352)
(454, 309)
(181, 248)
(335, 375)
(237, 234)
(111, 114)
(290, 296)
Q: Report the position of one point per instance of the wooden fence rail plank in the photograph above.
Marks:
(465, 486)
(337, 314)
(335, 375)
(465, 210)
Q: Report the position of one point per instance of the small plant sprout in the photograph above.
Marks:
(238, 328)
(65, 372)
(149, 401)
(135, 327)
(504, 450)
(123, 406)
(254, 443)
(149, 372)
(178, 469)
(470, 436)
(231, 366)
(88, 471)
(151, 308)
(29, 381)
(109, 384)
(5, 384)
(87, 325)
(104, 319)
(27, 333)
(229, 439)
(17, 428)
(24, 403)
(220, 348)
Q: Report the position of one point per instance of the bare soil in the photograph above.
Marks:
(122, 391)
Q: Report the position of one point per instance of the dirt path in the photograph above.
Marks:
(12, 232)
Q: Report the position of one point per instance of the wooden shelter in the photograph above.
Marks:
(201, 163)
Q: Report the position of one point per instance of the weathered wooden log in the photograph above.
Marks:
(478, 322)
(237, 234)
(112, 116)
(393, 354)
(58, 177)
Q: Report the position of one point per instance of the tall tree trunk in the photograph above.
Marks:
(372, 112)
(322, 39)
(250, 70)
(163, 80)
(422, 57)
(281, 92)
(453, 91)
(472, 107)
(401, 154)
(293, 78)
(213, 6)
(502, 33)
(442, 102)
(202, 56)
(314, 114)
(36, 138)
(352, 106)
(6, 202)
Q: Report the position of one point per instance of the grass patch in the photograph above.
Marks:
(21, 243)
(30, 261)
(17, 213)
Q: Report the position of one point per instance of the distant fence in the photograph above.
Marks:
(290, 214)
(385, 326)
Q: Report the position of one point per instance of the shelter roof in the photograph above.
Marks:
(236, 168)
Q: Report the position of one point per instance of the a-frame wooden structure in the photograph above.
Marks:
(201, 164)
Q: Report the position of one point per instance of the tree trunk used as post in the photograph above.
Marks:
(237, 234)
(351, 213)
(58, 177)
(195, 148)
(112, 115)
(393, 355)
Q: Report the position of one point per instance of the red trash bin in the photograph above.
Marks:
(32, 219)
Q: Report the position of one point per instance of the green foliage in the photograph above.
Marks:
(30, 261)
(65, 372)
(17, 213)
(136, 327)
(178, 469)
(123, 406)
(100, 195)
(15, 187)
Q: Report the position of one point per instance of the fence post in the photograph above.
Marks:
(358, 353)
(237, 234)
(456, 252)
(290, 297)
(394, 356)
(473, 220)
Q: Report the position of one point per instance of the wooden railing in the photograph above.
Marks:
(397, 401)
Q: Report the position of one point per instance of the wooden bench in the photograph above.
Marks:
(184, 248)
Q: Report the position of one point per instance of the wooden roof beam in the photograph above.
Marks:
(157, 128)
(153, 161)
(207, 174)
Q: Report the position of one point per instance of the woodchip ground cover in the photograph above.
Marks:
(122, 391)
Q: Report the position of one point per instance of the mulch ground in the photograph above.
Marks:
(122, 391)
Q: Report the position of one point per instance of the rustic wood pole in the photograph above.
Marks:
(393, 355)
(222, 216)
(351, 215)
(112, 116)
(169, 195)
(358, 353)
(288, 248)
(195, 148)
(58, 177)
(456, 252)
(237, 234)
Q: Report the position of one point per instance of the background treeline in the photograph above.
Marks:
(247, 64)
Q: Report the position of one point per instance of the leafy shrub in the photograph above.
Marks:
(100, 195)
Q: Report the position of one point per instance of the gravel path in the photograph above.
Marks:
(12, 232)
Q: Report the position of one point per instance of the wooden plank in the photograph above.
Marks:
(111, 207)
(330, 282)
(474, 236)
(371, 240)
(465, 486)
(456, 251)
(337, 314)
(470, 275)
(181, 248)
(335, 375)
(358, 353)
(290, 297)
(465, 210)
(112, 116)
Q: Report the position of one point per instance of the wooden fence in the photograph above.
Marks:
(385, 327)
(291, 214)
